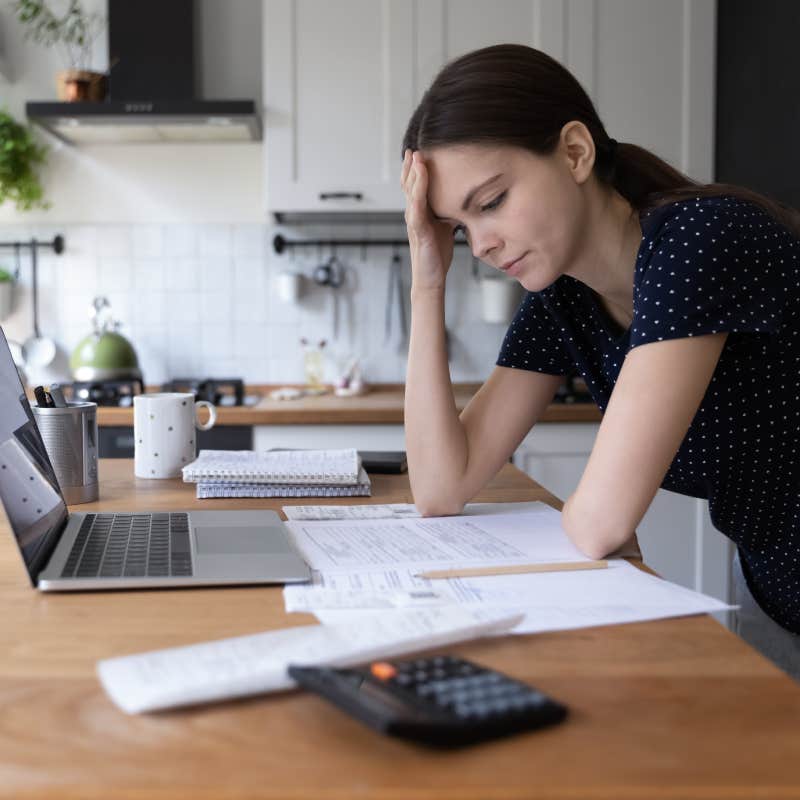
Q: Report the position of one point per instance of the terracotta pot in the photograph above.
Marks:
(81, 86)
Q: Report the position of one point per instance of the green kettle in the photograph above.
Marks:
(105, 354)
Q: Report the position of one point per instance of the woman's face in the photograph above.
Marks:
(522, 213)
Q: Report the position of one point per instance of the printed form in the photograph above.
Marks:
(531, 535)
(362, 564)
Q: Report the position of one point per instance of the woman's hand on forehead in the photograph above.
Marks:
(430, 241)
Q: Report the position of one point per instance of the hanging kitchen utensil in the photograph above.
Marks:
(37, 350)
(395, 292)
(331, 274)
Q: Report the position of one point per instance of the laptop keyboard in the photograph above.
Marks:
(131, 546)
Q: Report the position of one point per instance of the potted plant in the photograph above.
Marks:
(20, 154)
(73, 34)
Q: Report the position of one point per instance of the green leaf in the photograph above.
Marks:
(19, 154)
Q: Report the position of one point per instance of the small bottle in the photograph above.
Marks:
(313, 364)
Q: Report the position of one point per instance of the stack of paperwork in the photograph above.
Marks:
(367, 592)
(364, 564)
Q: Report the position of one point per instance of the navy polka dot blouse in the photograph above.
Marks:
(705, 266)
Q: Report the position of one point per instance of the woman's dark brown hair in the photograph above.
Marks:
(510, 94)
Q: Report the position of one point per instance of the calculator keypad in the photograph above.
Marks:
(463, 689)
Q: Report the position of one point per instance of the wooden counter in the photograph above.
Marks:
(383, 404)
(676, 708)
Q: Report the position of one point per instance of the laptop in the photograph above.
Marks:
(65, 551)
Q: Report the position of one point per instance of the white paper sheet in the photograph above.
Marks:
(550, 601)
(385, 511)
(476, 539)
(255, 664)
(561, 600)
(392, 588)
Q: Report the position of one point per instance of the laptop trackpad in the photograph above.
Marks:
(222, 540)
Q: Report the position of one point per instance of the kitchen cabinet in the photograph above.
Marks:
(117, 441)
(342, 79)
(337, 97)
(676, 535)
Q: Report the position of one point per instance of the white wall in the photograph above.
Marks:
(174, 183)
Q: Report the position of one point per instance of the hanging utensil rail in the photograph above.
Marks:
(281, 243)
(57, 244)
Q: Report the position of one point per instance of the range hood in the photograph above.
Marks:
(151, 86)
(154, 121)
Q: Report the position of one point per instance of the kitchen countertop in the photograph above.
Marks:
(382, 405)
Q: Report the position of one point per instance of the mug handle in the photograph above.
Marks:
(212, 412)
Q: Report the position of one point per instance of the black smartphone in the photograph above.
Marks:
(385, 461)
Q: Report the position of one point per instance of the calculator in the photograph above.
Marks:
(443, 701)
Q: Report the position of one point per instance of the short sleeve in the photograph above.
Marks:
(712, 265)
(533, 340)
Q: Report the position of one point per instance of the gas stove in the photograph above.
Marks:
(219, 391)
(108, 393)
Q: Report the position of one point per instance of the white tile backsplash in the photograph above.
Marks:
(198, 300)
(148, 241)
(181, 274)
(114, 241)
(148, 274)
(180, 240)
(114, 275)
(216, 307)
(216, 241)
(250, 241)
(149, 310)
(75, 273)
(216, 341)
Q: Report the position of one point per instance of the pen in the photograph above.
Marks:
(43, 399)
(512, 569)
(57, 395)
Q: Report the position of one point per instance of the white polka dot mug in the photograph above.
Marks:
(164, 432)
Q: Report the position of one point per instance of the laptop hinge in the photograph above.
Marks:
(42, 558)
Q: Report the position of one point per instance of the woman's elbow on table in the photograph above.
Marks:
(438, 505)
(438, 509)
(594, 534)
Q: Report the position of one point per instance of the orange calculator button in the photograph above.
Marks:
(383, 670)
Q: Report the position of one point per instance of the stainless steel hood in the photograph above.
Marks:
(151, 85)
(149, 121)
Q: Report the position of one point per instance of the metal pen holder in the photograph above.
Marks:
(70, 437)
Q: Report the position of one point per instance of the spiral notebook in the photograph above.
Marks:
(208, 489)
(304, 467)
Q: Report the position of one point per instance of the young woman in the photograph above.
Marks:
(677, 302)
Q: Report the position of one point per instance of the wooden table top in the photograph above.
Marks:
(382, 405)
(677, 708)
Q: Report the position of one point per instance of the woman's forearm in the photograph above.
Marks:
(436, 442)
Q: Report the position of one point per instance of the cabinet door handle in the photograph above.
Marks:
(341, 196)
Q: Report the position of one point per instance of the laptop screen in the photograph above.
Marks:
(28, 486)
